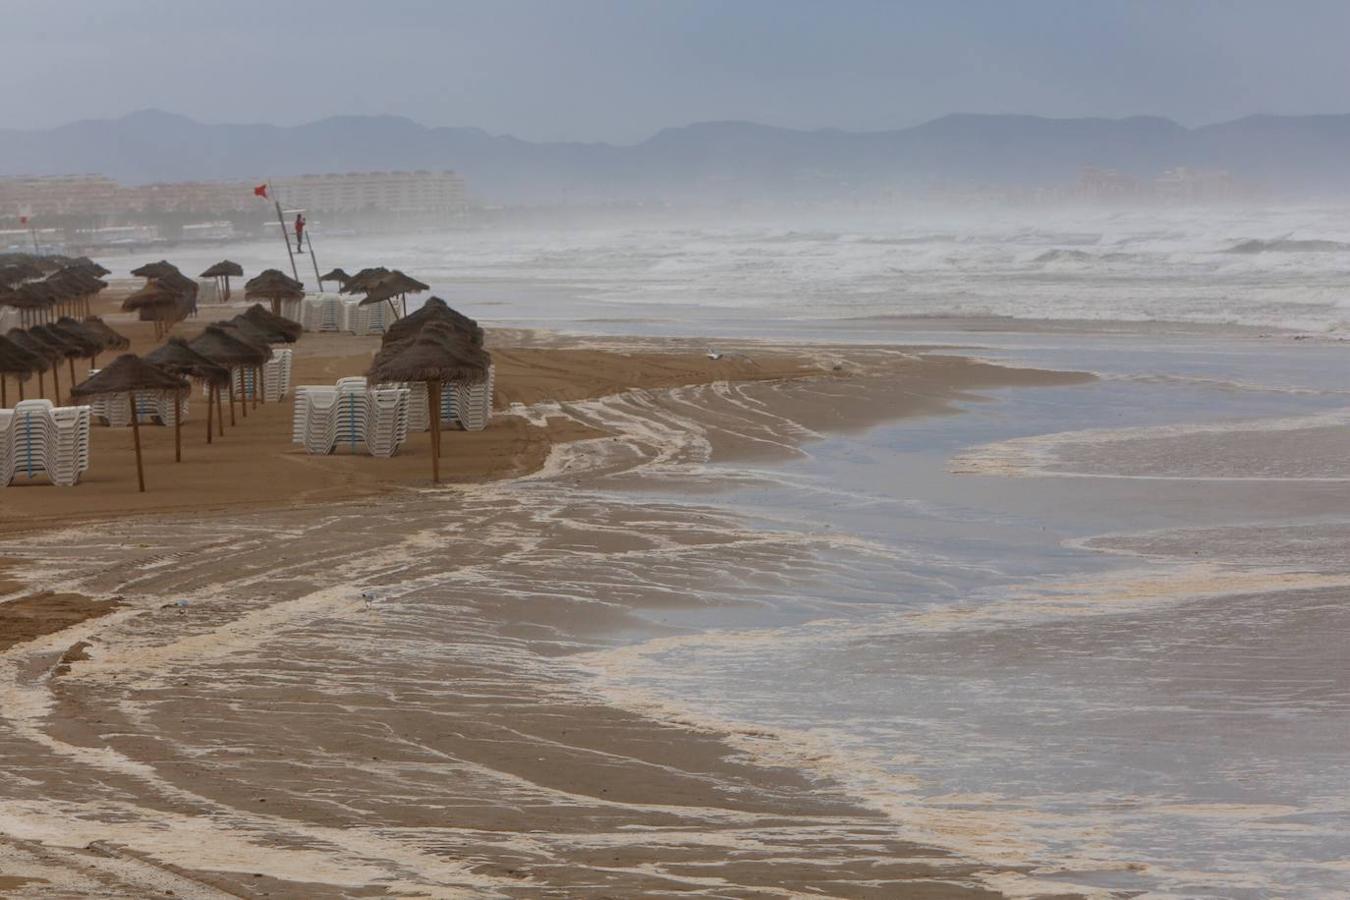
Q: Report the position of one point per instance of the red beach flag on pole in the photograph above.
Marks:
(23, 220)
(260, 191)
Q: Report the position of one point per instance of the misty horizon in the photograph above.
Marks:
(614, 72)
(153, 111)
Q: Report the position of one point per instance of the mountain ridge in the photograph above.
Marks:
(726, 159)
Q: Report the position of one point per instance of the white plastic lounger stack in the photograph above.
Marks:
(152, 408)
(38, 438)
(323, 312)
(290, 308)
(276, 380)
(372, 319)
(339, 312)
(312, 419)
(352, 415)
(473, 402)
(207, 291)
(468, 406)
(386, 420)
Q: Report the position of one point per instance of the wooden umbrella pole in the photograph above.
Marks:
(42, 386)
(434, 408)
(257, 386)
(4, 396)
(56, 382)
(232, 422)
(220, 414)
(177, 426)
(209, 390)
(136, 438)
(71, 360)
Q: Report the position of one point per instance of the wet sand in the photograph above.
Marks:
(247, 723)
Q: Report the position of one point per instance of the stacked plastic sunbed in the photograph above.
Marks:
(467, 405)
(350, 415)
(276, 378)
(152, 408)
(337, 312)
(37, 438)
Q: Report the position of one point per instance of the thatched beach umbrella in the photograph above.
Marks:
(275, 286)
(244, 330)
(394, 284)
(154, 269)
(177, 358)
(287, 331)
(19, 363)
(75, 334)
(47, 354)
(155, 303)
(434, 310)
(59, 351)
(129, 374)
(435, 356)
(364, 279)
(337, 275)
(222, 272)
(227, 348)
(34, 300)
(112, 340)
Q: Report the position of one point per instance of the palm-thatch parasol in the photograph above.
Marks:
(275, 286)
(34, 299)
(129, 374)
(434, 310)
(364, 279)
(60, 351)
(72, 287)
(46, 353)
(228, 348)
(337, 275)
(222, 272)
(393, 284)
(245, 330)
(155, 302)
(16, 361)
(154, 269)
(111, 339)
(177, 358)
(435, 355)
(286, 330)
(77, 335)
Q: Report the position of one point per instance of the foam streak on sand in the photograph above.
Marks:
(1205, 451)
(199, 739)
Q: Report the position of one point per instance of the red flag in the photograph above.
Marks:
(260, 191)
(23, 220)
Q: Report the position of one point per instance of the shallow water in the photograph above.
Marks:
(791, 274)
(1088, 653)
(1169, 723)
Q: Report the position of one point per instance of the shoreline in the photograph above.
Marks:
(720, 419)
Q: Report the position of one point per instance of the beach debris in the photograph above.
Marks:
(713, 354)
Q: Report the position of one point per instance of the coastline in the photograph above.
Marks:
(273, 572)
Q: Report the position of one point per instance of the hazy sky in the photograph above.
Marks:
(618, 70)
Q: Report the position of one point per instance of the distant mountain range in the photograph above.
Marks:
(711, 161)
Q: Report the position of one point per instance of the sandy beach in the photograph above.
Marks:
(255, 464)
(175, 663)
